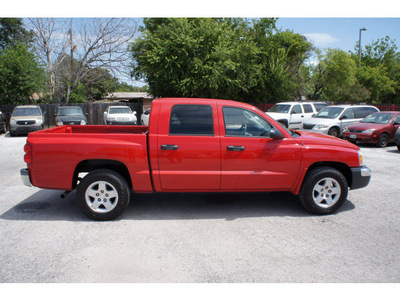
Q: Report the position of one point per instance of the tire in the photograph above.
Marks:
(398, 147)
(383, 141)
(4, 129)
(324, 191)
(333, 132)
(103, 195)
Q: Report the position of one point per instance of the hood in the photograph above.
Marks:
(316, 121)
(310, 138)
(70, 118)
(365, 126)
(26, 118)
(122, 115)
(277, 116)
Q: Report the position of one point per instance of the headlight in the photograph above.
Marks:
(360, 158)
(111, 119)
(59, 124)
(319, 126)
(13, 122)
(368, 131)
(346, 129)
(83, 122)
(39, 122)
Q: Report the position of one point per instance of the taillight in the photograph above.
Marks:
(28, 154)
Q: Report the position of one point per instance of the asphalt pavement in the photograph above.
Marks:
(247, 237)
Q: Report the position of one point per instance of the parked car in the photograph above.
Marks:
(70, 115)
(293, 114)
(25, 119)
(378, 128)
(120, 115)
(397, 138)
(332, 120)
(144, 120)
(3, 122)
(193, 145)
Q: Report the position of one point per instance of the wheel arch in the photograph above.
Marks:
(341, 167)
(89, 165)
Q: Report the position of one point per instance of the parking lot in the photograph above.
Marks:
(249, 237)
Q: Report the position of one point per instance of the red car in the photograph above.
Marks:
(378, 128)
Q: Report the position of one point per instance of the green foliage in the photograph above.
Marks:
(78, 95)
(98, 82)
(20, 75)
(219, 58)
(13, 32)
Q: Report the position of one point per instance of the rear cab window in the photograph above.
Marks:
(191, 119)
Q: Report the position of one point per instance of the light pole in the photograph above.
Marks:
(359, 46)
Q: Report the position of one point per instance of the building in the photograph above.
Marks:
(132, 97)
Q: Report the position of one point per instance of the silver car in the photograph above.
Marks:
(332, 120)
(25, 119)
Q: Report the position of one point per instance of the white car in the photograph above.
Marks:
(144, 120)
(120, 115)
(293, 114)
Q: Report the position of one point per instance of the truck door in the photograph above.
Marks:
(189, 150)
(251, 160)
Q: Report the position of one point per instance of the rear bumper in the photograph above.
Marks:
(25, 177)
(361, 177)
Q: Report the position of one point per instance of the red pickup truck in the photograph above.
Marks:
(192, 145)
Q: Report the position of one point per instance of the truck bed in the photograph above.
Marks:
(93, 129)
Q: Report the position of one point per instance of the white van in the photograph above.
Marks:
(332, 120)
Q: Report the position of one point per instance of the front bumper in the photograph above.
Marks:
(21, 129)
(360, 177)
(25, 177)
(360, 137)
(121, 122)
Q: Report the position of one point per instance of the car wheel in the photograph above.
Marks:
(103, 195)
(398, 147)
(4, 128)
(333, 132)
(383, 140)
(324, 191)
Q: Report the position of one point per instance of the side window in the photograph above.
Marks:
(307, 108)
(191, 120)
(242, 122)
(320, 106)
(397, 119)
(362, 112)
(296, 109)
(348, 114)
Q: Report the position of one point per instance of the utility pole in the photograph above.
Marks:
(359, 46)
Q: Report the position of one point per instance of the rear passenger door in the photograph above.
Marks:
(189, 153)
(296, 117)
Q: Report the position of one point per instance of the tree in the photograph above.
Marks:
(12, 32)
(20, 75)
(334, 78)
(218, 58)
(87, 44)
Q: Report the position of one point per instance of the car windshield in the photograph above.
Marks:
(26, 111)
(120, 110)
(70, 111)
(378, 118)
(280, 108)
(329, 113)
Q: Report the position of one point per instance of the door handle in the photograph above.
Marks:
(169, 147)
(235, 148)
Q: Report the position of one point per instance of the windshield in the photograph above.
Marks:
(329, 113)
(120, 110)
(26, 111)
(378, 118)
(70, 111)
(280, 108)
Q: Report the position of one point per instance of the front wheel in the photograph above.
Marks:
(333, 132)
(324, 191)
(383, 140)
(103, 195)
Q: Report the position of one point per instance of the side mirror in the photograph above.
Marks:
(276, 134)
(134, 112)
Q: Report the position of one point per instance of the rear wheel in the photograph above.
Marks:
(103, 195)
(324, 191)
(383, 140)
